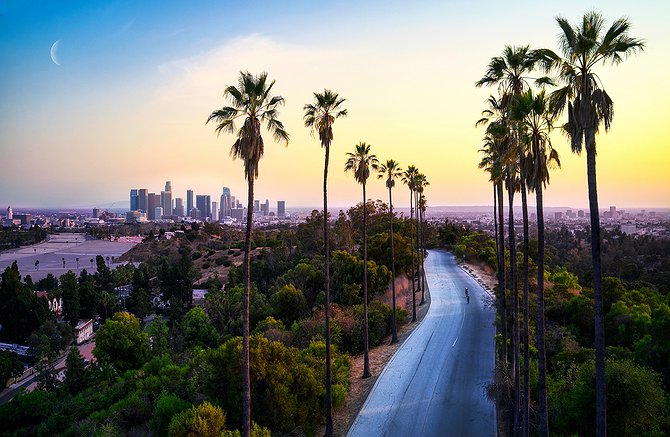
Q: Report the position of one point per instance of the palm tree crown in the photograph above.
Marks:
(360, 162)
(584, 46)
(391, 171)
(320, 115)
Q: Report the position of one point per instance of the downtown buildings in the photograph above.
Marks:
(149, 206)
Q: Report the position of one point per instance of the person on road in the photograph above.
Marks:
(467, 294)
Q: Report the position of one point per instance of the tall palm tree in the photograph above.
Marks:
(390, 170)
(319, 117)
(495, 144)
(510, 72)
(252, 102)
(409, 179)
(534, 113)
(585, 46)
(359, 163)
(421, 182)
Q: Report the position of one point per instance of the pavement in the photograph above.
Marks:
(435, 383)
(60, 252)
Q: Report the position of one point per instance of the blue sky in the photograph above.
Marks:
(127, 105)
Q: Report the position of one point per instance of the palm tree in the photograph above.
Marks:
(391, 171)
(421, 182)
(252, 102)
(359, 163)
(509, 72)
(534, 113)
(409, 179)
(588, 105)
(495, 141)
(320, 116)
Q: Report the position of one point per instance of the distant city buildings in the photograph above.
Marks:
(227, 210)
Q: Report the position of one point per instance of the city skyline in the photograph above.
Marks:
(142, 111)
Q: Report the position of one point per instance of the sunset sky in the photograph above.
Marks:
(127, 106)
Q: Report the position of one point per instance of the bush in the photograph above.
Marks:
(204, 420)
(195, 255)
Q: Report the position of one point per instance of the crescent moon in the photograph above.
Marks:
(54, 52)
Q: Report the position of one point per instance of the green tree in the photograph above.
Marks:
(204, 420)
(289, 304)
(252, 101)
(585, 46)
(121, 343)
(360, 163)
(74, 375)
(10, 366)
(70, 292)
(198, 329)
(320, 116)
(390, 170)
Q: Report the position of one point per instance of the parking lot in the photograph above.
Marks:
(63, 252)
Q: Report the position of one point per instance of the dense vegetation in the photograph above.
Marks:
(17, 237)
(159, 374)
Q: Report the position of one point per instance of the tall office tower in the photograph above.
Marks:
(178, 207)
(194, 213)
(281, 208)
(203, 203)
(143, 200)
(134, 199)
(158, 212)
(613, 212)
(153, 203)
(166, 202)
(168, 186)
(232, 202)
(257, 206)
(96, 212)
(189, 201)
(226, 204)
(10, 213)
(215, 212)
(267, 207)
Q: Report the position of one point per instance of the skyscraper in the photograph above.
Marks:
(267, 207)
(10, 213)
(143, 200)
(203, 203)
(226, 204)
(153, 203)
(189, 201)
(257, 206)
(158, 213)
(166, 202)
(281, 208)
(215, 212)
(168, 186)
(134, 199)
(179, 207)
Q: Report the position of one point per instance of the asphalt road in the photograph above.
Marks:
(434, 384)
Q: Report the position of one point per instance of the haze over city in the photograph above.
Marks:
(123, 97)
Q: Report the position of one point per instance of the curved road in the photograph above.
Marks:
(434, 384)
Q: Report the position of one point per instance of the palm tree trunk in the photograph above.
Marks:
(419, 267)
(326, 274)
(423, 251)
(394, 326)
(366, 358)
(411, 242)
(601, 399)
(541, 350)
(502, 290)
(526, 352)
(246, 376)
(515, 305)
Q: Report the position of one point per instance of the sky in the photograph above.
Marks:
(126, 107)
